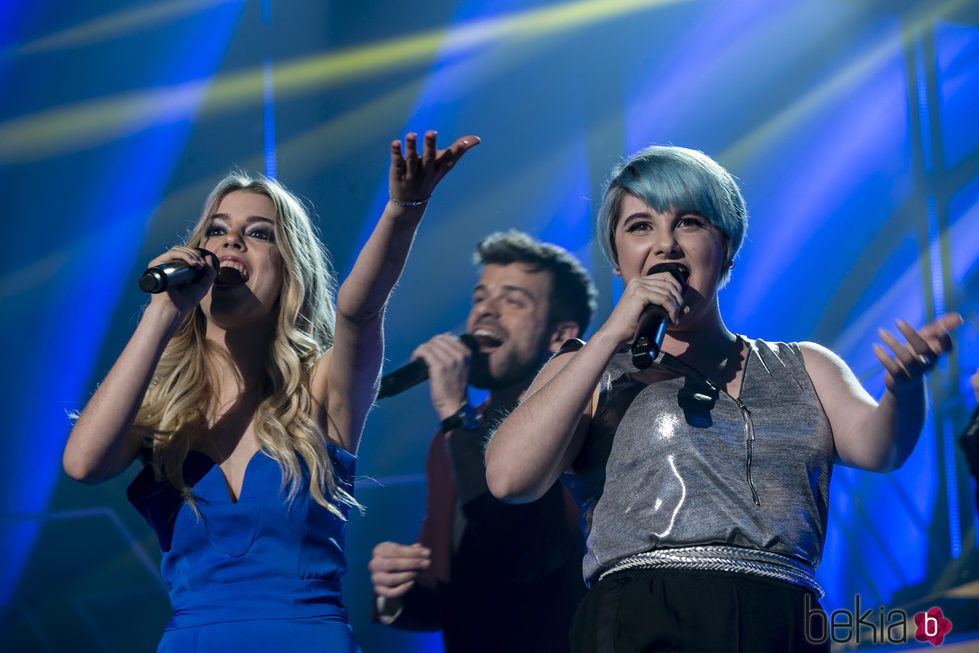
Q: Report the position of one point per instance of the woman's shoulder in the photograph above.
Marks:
(795, 356)
(779, 349)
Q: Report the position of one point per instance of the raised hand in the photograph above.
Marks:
(394, 567)
(909, 362)
(413, 177)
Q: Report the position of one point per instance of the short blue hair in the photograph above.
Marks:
(669, 178)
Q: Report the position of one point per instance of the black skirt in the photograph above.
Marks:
(646, 610)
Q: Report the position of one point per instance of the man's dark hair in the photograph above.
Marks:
(572, 291)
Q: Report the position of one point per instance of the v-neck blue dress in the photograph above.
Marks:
(259, 574)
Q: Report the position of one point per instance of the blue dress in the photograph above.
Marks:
(258, 574)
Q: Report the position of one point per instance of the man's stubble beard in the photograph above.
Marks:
(514, 371)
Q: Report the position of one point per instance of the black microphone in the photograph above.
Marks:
(415, 372)
(653, 321)
(173, 274)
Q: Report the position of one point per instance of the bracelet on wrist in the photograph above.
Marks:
(408, 205)
(465, 418)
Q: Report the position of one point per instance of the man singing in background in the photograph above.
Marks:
(492, 576)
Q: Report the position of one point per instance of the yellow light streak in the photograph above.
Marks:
(754, 143)
(120, 23)
(334, 139)
(63, 129)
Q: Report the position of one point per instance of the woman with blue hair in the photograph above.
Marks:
(704, 476)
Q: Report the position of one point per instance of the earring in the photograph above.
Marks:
(729, 265)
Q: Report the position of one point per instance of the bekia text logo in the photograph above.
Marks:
(932, 626)
(880, 626)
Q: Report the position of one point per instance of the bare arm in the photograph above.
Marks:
(346, 378)
(879, 436)
(102, 443)
(545, 433)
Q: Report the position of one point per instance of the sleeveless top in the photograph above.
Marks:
(258, 558)
(673, 461)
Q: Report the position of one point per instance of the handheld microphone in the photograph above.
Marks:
(653, 321)
(173, 274)
(415, 372)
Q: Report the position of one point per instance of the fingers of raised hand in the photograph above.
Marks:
(894, 368)
(445, 159)
(429, 150)
(412, 161)
(406, 170)
(413, 177)
(398, 166)
(411, 145)
(928, 344)
(903, 357)
(911, 359)
(938, 333)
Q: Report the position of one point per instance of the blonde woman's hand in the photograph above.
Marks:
(414, 177)
(185, 298)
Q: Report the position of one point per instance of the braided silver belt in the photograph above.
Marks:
(727, 559)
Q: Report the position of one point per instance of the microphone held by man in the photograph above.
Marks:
(415, 372)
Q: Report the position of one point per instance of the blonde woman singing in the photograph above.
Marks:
(244, 394)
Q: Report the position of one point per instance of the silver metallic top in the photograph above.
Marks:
(673, 461)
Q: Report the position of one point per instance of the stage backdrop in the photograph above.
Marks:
(852, 125)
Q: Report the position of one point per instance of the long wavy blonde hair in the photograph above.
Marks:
(173, 408)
